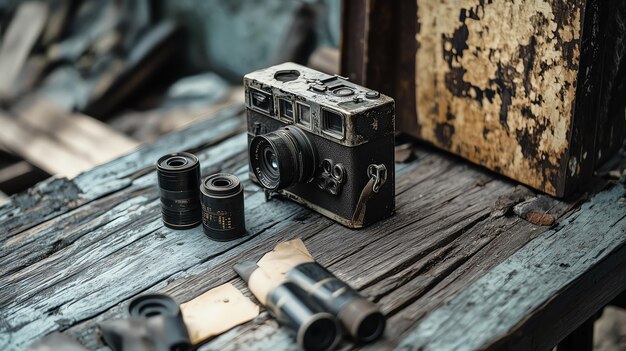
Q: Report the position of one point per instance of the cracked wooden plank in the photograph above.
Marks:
(83, 264)
(437, 201)
(346, 257)
(121, 217)
(57, 196)
(87, 264)
(585, 255)
(444, 250)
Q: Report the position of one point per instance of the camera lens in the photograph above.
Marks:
(271, 160)
(282, 158)
(223, 215)
(179, 180)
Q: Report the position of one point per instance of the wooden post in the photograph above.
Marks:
(580, 339)
(533, 90)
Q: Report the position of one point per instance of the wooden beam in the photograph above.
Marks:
(20, 176)
(39, 148)
(582, 258)
(20, 37)
(3, 198)
(580, 339)
(61, 143)
(325, 59)
(15, 170)
(87, 137)
(58, 20)
(151, 52)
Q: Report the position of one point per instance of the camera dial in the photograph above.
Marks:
(282, 158)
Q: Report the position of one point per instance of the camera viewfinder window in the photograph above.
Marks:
(261, 100)
(304, 115)
(332, 123)
(286, 109)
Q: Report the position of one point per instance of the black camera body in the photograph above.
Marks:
(322, 141)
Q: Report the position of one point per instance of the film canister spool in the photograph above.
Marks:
(179, 180)
(223, 216)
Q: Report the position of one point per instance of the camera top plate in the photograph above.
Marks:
(327, 105)
(331, 91)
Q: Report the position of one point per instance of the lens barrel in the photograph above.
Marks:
(282, 158)
(223, 217)
(179, 185)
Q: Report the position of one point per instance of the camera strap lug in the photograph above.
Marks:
(379, 174)
(269, 194)
(257, 128)
(378, 177)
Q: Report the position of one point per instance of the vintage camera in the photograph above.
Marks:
(322, 141)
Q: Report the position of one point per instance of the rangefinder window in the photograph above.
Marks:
(332, 123)
(286, 109)
(261, 100)
(304, 115)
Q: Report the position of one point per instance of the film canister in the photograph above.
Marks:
(222, 207)
(179, 181)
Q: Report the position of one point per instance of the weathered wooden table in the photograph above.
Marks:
(454, 268)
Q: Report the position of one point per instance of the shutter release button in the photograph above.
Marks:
(372, 94)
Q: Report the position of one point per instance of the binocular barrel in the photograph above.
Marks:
(360, 317)
(292, 307)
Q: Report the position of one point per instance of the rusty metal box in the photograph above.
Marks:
(534, 90)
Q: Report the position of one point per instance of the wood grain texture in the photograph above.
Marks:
(57, 196)
(61, 143)
(39, 148)
(93, 243)
(87, 137)
(557, 263)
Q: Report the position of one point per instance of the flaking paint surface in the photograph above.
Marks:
(495, 83)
